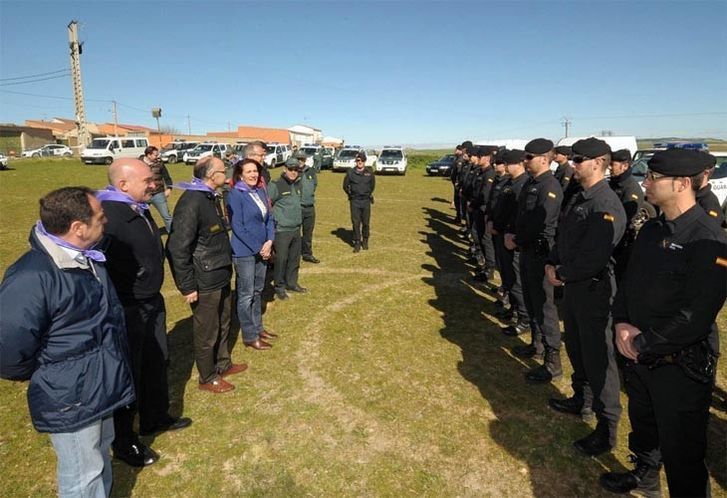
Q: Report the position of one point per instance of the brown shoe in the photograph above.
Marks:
(235, 368)
(267, 335)
(217, 386)
(259, 344)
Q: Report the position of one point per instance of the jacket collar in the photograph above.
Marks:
(682, 221)
(61, 258)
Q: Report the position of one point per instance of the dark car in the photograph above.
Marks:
(442, 166)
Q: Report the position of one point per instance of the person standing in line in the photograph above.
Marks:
(61, 319)
(705, 197)
(631, 196)
(308, 186)
(564, 172)
(257, 150)
(481, 189)
(200, 258)
(581, 263)
(135, 262)
(253, 233)
(359, 184)
(285, 195)
(453, 175)
(162, 184)
(664, 311)
(535, 227)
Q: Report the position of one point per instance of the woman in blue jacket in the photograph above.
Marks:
(253, 231)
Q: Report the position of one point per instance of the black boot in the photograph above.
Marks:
(529, 351)
(515, 330)
(548, 371)
(365, 244)
(597, 442)
(356, 246)
(644, 478)
(574, 405)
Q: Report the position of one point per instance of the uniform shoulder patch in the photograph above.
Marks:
(721, 261)
(608, 217)
(634, 196)
(566, 178)
(215, 228)
(552, 195)
(489, 180)
(712, 213)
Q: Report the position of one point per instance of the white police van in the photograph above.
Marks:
(104, 150)
(392, 159)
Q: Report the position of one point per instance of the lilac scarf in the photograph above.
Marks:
(111, 193)
(244, 187)
(196, 184)
(97, 256)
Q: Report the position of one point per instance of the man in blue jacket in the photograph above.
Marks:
(63, 328)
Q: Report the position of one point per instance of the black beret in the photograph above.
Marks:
(539, 146)
(591, 147)
(514, 156)
(679, 162)
(473, 151)
(467, 144)
(621, 155)
(712, 161)
(486, 150)
(563, 149)
(499, 157)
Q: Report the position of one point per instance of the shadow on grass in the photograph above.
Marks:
(524, 426)
(343, 234)
(439, 199)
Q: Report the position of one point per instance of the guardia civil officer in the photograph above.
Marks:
(705, 196)
(632, 198)
(481, 187)
(359, 183)
(504, 214)
(674, 286)
(308, 186)
(534, 234)
(564, 172)
(580, 262)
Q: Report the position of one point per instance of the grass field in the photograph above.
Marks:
(390, 377)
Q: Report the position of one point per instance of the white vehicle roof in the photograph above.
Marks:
(508, 143)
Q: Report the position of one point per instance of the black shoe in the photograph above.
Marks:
(365, 244)
(480, 277)
(595, 443)
(311, 259)
(281, 295)
(549, 370)
(572, 406)
(356, 247)
(504, 314)
(170, 424)
(539, 375)
(644, 479)
(137, 455)
(528, 351)
(297, 288)
(515, 330)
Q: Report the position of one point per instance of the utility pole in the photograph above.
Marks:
(156, 112)
(566, 125)
(83, 136)
(189, 125)
(116, 118)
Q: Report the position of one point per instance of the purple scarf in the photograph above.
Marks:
(196, 184)
(110, 193)
(244, 187)
(97, 256)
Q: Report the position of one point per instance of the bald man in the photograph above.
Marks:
(135, 262)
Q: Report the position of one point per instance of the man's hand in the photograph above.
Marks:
(191, 297)
(510, 241)
(167, 192)
(552, 278)
(625, 334)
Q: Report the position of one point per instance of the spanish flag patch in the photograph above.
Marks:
(608, 217)
(634, 196)
(712, 213)
(566, 178)
(552, 195)
(721, 261)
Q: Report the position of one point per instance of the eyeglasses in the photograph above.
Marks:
(215, 172)
(530, 157)
(581, 159)
(358, 161)
(653, 175)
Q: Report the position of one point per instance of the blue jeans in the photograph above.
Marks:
(160, 202)
(250, 283)
(84, 461)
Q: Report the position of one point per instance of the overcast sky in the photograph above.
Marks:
(377, 72)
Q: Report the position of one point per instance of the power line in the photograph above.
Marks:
(36, 80)
(30, 76)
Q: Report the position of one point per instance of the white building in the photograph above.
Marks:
(302, 134)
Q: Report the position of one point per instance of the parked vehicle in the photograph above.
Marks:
(277, 154)
(328, 153)
(49, 150)
(3, 161)
(203, 150)
(345, 158)
(442, 166)
(311, 151)
(104, 150)
(719, 177)
(239, 149)
(174, 151)
(391, 160)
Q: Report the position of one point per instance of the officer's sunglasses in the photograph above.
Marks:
(530, 157)
(581, 159)
(653, 175)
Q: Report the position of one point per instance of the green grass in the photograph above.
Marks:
(390, 377)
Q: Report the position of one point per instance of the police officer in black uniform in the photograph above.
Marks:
(632, 198)
(674, 286)
(462, 176)
(499, 181)
(705, 196)
(359, 183)
(592, 225)
(454, 178)
(481, 187)
(564, 172)
(504, 213)
(537, 219)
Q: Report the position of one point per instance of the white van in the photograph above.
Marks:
(616, 143)
(104, 150)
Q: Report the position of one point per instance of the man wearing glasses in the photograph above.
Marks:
(592, 225)
(534, 233)
(359, 184)
(257, 150)
(664, 313)
(200, 257)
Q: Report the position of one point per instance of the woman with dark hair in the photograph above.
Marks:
(162, 182)
(253, 231)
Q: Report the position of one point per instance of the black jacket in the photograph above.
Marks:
(629, 192)
(198, 247)
(359, 185)
(710, 204)
(134, 253)
(538, 210)
(564, 174)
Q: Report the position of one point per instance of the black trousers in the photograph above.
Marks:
(147, 335)
(669, 414)
(360, 218)
(211, 329)
(484, 239)
(589, 343)
(538, 297)
(508, 263)
(457, 203)
(287, 258)
(309, 223)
